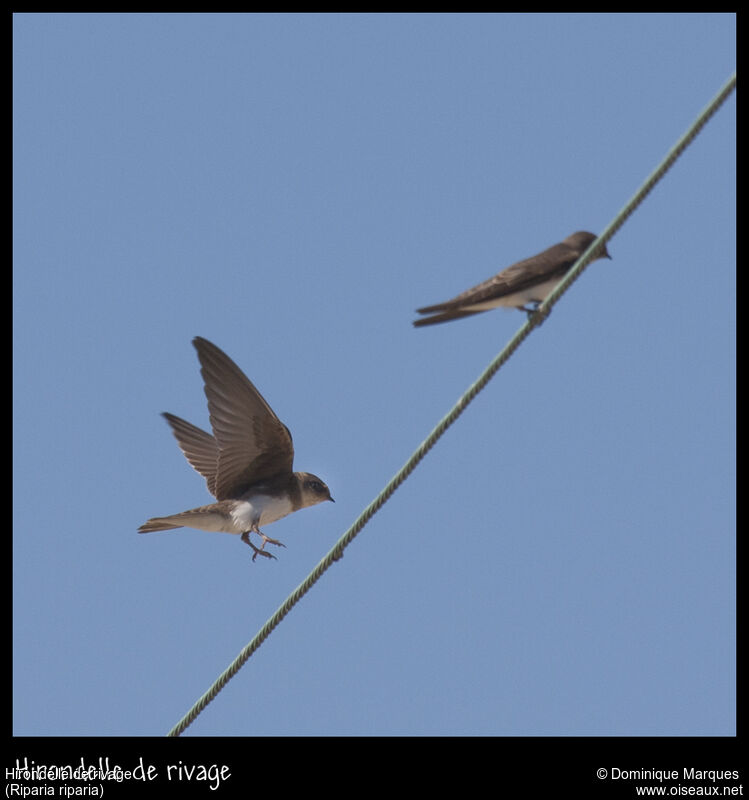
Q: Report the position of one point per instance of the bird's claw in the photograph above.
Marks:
(272, 541)
(533, 314)
(260, 551)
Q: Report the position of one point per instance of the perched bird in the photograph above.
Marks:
(529, 281)
(247, 462)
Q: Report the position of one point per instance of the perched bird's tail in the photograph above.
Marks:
(444, 317)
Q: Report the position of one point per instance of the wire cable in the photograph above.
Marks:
(460, 406)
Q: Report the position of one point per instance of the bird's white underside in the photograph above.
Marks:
(244, 516)
(520, 298)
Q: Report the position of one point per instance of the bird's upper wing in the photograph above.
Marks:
(253, 444)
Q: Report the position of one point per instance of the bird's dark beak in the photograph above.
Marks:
(331, 500)
(603, 253)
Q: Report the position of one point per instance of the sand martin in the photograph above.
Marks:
(524, 285)
(247, 462)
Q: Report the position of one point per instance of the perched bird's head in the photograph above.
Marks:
(313, 489)
(582, 240)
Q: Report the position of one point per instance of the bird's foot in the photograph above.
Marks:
(532, 312)
(260, 551)
(267, 539)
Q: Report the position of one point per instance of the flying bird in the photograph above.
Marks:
(246, 463)
(524, 285)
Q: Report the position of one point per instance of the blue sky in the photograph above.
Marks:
(292, 188)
